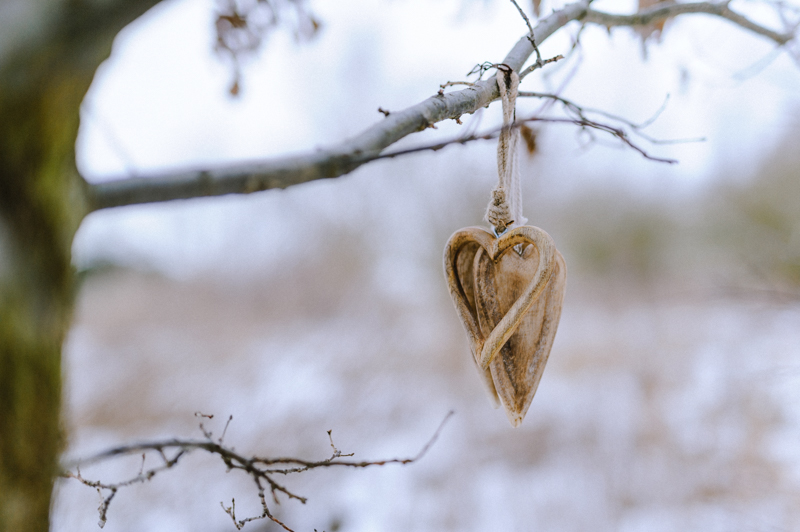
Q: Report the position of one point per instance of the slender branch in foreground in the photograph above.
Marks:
(261, 470)
(346, 156)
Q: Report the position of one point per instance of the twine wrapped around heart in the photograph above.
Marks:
(508, 289)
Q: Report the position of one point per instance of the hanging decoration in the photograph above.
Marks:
(507, 284)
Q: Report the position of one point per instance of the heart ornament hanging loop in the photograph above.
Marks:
(508, 289)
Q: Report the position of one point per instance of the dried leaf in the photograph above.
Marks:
(653, 29)
(529, 136)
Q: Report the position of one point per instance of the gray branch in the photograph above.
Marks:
(335, 161)
(669, 10)
(262, 471)
(346, 156)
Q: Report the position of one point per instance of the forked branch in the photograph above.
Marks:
(261, 470)
(367, 146)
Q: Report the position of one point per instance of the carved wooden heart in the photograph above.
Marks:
(508, 293)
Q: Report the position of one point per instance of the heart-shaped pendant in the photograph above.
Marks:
(508, 292)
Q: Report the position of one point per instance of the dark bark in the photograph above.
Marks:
(42, 201)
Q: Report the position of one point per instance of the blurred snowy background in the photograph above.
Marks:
(672, 397)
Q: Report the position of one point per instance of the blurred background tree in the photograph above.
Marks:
(49, 52)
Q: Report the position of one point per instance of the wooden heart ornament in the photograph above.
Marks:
(508, 292)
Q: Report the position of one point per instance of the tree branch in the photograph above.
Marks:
(669, 10)
(582, 122)
(346, 156)
(260, 470)
(334, 161)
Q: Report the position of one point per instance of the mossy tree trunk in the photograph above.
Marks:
(42, 201)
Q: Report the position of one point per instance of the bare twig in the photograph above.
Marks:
(576, 111)
(230, 418)
(655, 115)
(548, 103)
(584, 123)
(443, 86)
(336, 452)
(758, 66)
(113, 488)
(531, 36)
(265, 513)
(348, 155)
(260, 469)
(539, 64)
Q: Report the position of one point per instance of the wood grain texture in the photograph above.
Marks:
(508, 292)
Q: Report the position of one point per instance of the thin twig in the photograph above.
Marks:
(540, 64)
(336, 452)
(579, 112)
(260, 469)
(494, 133)
(531, 37)
(443, 86)
(230, 418)
(114, 487)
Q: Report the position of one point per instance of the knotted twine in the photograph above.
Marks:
(505, 207)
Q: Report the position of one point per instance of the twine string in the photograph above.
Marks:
(505, 207)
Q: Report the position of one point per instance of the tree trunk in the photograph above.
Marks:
(42, 201)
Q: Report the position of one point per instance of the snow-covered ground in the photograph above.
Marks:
(674, 415)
